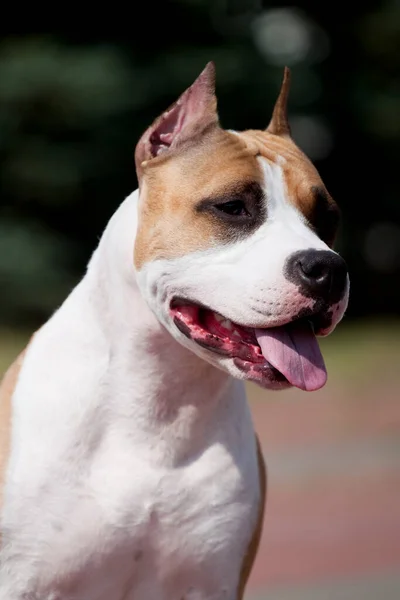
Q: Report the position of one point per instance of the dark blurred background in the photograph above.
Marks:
(73, 106)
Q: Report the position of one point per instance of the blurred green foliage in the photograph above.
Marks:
(72, 108)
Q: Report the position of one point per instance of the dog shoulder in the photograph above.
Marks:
(252, 548)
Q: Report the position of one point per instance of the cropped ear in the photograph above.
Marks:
(193, 113)
(279, 124)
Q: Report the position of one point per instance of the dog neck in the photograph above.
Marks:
(158, 387)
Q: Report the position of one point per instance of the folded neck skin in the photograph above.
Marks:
(170, 386)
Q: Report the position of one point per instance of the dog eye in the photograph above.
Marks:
(236, 208)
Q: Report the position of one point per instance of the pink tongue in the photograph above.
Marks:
(294, 351)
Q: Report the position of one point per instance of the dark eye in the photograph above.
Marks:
(236, 208)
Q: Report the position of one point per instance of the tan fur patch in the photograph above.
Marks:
(300, 175)
(172, 186)
(299, 172)
(251, 552)
(169, 225)
(7, 387)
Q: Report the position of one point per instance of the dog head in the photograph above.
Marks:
(234, 244)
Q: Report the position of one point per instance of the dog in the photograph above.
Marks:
(130, 468)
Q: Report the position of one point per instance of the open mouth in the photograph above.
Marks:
(283, 356)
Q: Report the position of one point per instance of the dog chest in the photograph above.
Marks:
(177, 519)
(131, 526)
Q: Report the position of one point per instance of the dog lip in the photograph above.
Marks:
(256, 359)
(182, 300)
(264, 374)
(212, 331)
(320, 318)
(178, 301)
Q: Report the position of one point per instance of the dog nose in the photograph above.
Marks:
(320, 273)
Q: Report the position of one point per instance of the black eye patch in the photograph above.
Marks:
(238, 211)
(324, 215)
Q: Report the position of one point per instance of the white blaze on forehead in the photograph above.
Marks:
(283, 215)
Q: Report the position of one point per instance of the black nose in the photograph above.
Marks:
(319, 273)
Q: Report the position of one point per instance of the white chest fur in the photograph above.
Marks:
(126, 529)
(117, 527)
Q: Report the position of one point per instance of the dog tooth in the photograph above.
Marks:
(227, 324)
(219, 317)
(236, 334)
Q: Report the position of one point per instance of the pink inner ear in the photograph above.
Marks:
(193, 113)
(167, 130)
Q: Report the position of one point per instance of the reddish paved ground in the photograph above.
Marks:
(332, 528)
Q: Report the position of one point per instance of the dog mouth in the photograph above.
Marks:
(278, 357)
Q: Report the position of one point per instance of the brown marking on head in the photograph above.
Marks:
(177, 194)
(304, 186)
(251, 552)
(185, 161)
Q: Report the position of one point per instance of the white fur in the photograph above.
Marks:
(133, 470)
